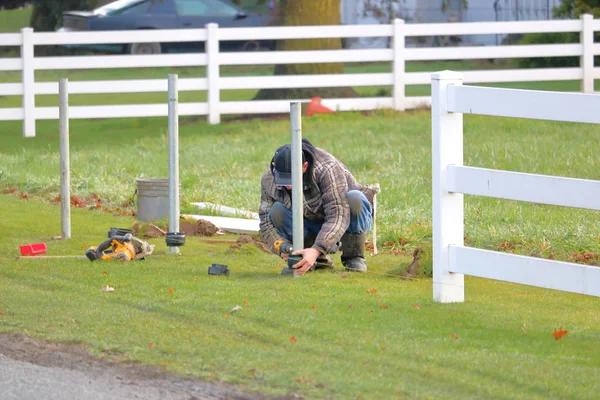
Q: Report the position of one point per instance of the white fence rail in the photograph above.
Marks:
(212, 59)
(451, 180)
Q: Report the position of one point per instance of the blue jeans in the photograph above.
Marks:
(360, 217)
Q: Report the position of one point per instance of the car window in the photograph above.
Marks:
(205, 8)
(132, 7)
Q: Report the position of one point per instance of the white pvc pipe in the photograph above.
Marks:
(297, 186)
(173, 158)
(65, 175)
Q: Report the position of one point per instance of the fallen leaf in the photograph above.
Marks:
(108, 289)
(417, 306)
(454, 336)
(371, 311)
(225, 315)
(236, 308)
(149, 345)
(558, 335)
(2, 313)
(195, 279)
(245, 302)
(345, 276)
(383, 306)
(299, 380)
(320, 386)
(292, 339)
(313, 307)
(371, 290)
(171, 290)
(105, 273)
(211, 376)
(351, 306)
(84, 246)
(383, 347)
(523, 329)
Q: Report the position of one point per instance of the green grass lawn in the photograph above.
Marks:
(14, 20)
(321, 336)
(223, 164)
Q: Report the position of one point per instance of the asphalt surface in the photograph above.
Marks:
(34, 369)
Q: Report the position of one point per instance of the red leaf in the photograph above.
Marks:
(383, 306)
(417, 306)
(313, 307)
(351, 306)
(454, 336)
(523, 329)
(195, 279)
(293, 339)
(2, 313)
(105, 273)
(558, 335)
(171, 290)
(245, 302)
(225, 315)
(149, 345)
(372, 290)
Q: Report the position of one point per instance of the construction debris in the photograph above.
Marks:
(233, 225)
(235, 212)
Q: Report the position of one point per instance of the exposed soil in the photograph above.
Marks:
(245, 239)
(118, 379)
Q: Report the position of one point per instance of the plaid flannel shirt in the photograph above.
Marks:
(326, 183)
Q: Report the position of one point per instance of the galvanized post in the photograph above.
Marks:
(65, 174)
(173, 158)
(297, 185)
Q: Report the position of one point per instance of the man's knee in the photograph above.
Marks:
(355, 200)
(277, 215)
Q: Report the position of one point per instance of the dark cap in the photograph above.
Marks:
(282, 170)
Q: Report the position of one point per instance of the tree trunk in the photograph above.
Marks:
(308, 12)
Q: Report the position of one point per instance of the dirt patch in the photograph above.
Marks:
(246, 239)
(148, 231)
(201, 228)
(144, 379)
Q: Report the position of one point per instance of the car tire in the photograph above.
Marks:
(144, 48)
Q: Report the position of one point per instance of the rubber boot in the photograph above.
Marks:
(353, 251)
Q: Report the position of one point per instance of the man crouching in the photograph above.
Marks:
(336, 209)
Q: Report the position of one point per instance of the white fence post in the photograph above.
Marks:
(212, 73)
(587, 59)
(28, 82)
(448, 208)
(398, 43)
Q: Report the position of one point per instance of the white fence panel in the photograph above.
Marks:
(451, 180)
(213, 59)
(124, 61)
(554, 106)
(120, 37)
(305, 81)
(304, 32)
(533, 188)
(539, 272)
(506, 75)
(489, 28)
(306, 57)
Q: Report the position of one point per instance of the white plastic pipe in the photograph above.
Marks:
(173, 158)
(65, 174)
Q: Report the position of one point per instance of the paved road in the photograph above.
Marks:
(40, 370)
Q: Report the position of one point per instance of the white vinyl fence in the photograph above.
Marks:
(451, 180)
(213, 83)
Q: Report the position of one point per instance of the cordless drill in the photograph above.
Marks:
(283, 246)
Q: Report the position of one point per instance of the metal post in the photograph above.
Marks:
(173, 158)
(297, 186)
(65, 175)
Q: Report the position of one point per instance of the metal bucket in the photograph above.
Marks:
(152, 199)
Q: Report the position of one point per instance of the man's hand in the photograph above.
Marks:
(309, 256)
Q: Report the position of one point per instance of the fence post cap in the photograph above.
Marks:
(211, 25)
(446, 75)
(27, 29)
(398, 21)
(587, 16)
